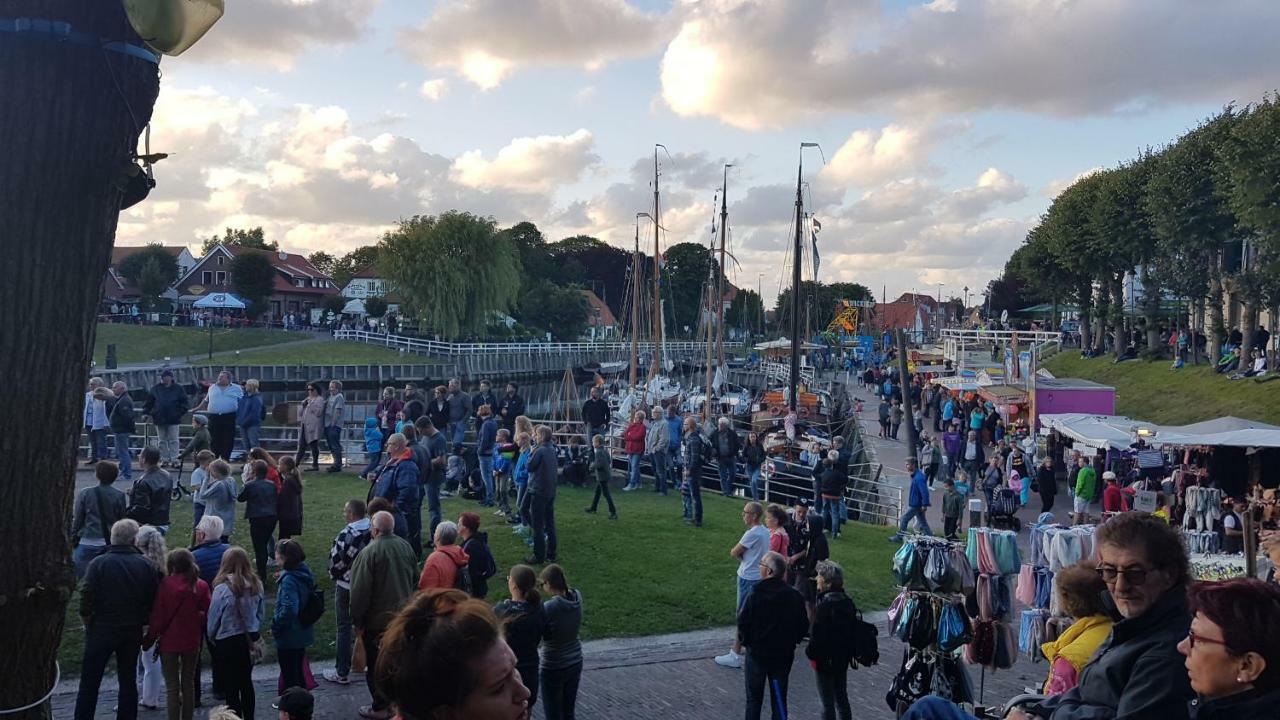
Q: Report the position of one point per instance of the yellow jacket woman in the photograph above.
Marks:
(1080, 593)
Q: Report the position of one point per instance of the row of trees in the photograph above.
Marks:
(1194, 220)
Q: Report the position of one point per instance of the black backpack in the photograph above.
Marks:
(462, 580)
(312, 608)
(866, 649)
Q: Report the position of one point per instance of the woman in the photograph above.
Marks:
(456, 641)
(218, 493)
(289, 501)
(524, 425)
(1233, 650)
(177, 628)
(235, 616)
(273, 467)
(151, 683)
(561, 665)
(438, 408)
(633, 445)
(753, 456)
(1080, 591)
(388, 409)
(291, 636)
(260, 506)
(1046, 484)
(311, 425)
(523, 625)
(775, 520)
(805, 565)
(475, 544)
(831, 640)
(250, 412)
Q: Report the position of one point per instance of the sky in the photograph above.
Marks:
(945, 127)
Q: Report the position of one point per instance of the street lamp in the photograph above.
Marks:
(966, 298)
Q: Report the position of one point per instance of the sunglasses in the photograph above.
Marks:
(1132, 576)
(1193, 638)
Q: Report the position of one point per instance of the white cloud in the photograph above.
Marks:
(1055, 187)
(530, 163)
(869, 157)
(276, 32)
(487, 40)
(993, 188)
(434, 89)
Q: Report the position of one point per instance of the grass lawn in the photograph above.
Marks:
(337, 352)
(145, 343)
(1154, 392)
(643, 574)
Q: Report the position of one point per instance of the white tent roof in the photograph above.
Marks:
(1224, 431)
(1098, 431)
(220, 300)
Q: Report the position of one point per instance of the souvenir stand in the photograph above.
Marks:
(995, 555)
(929, 617)
(1053, 547)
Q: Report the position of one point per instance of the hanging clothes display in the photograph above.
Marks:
(1053, 547)
(1203, 507)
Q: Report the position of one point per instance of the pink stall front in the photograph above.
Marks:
(1072, 395)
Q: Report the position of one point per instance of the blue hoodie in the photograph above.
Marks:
(291, 595)
(919, 497)
(250, 412)
(372, 436)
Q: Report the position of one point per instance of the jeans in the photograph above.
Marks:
(695, 492)
(659, 460)
(260, 529)
(234, 672)
(502, 490)
(486, 474)
(833, 691)
(413, 528)
(98, 444)
(950, 526)
(291, 663)
(83, 555)
(727, 470)
(560, 692)
(100, 643)
(542, 511)
(745, 587)
(594, 430)
(333, 436)
(457, 432)
(602, 488)
(346, 638)
(180, 680)
(922, 523)
(372, 644)
(530, 677)
(633, 470)
(168, 439)
(252, 437)
(756, 488)
(434, 513)
(831, 513)
(123, 455)
(222, 434)
(374, 458)
(773, 673)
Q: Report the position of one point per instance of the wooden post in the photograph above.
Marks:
(913, 444)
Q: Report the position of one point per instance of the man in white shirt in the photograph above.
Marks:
(748, 552)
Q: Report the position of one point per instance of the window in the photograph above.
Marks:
(220, 259)
(299, 282)
(206, 277)
(220, 277)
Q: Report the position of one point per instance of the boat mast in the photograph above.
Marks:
(635, 305)
(716, 288)
(657, 290)
(795, 282)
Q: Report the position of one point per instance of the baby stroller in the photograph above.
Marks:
(1005, 502)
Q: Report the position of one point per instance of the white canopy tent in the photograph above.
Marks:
(1096, 431)
(220, 300)
(1223, 432)
(785, 344)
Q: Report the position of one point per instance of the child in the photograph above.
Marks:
(198, 478)
(962, 483)
(372, 446)
(952, 508)
(455, 470)
(601, 466)
(521, 476)
(1016, 485)
(575, 470)
(401, 422)
(200, 440)
(504, 455)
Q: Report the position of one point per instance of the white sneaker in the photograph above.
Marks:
(333, 677)
(730, 659)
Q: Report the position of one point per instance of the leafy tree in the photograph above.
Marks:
(601, 266)
(561, 310)
(323, 261)
(535, 255)
(746, 311)
(453, 271)
(153, 270)
(1068, 234)
(353, 262)
(824, 298)
(375, 307)
(687, 270)
(1125, 236)
(333, 304)
(252, 238)
(253, 278)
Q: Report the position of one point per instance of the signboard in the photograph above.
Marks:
(1145, 501)
(196, 289)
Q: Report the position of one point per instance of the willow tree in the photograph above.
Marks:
(453, 272)
(71, 112)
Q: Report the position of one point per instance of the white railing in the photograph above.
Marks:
(781, 372)
(957, 341)
(435, 347)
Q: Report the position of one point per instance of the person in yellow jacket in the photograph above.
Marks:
(1080, 592)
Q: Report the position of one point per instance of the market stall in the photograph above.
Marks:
(1009, 401)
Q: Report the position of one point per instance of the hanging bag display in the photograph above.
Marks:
(906, 567)
(954, 629)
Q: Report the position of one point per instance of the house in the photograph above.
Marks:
(367, 284)
(299, 286)
(116, 288)
(726, 302)
(919, 315)
(601, 324)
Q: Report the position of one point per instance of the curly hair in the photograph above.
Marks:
(1161, 544)
(1080, 590)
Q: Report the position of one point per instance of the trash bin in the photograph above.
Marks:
(111, 356)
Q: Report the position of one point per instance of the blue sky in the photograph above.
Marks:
(947, 125)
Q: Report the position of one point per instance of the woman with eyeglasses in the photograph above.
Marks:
(1233, 650)
(523, 625)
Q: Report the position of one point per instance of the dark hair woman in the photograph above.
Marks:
(1233, 650)
(177, 625)
(561, 665)
(311, 424)
(523, 625)
(291, 635)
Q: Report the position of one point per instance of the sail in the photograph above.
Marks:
(718, 381)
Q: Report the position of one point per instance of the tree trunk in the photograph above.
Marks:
(1249, 325)
(66, 126)
(1102, 311)
(1085, 296)
(1151, 309)
(1217, 327)
(1119, 337)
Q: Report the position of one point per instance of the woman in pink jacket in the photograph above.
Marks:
(177, 629)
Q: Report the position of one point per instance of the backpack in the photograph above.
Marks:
(866, 649)
(462, 580)
(312, 608)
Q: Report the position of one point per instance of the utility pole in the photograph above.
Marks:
(913, 444)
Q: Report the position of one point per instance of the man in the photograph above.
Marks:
(95, 420)
(595, 414)
(150, 496)
(675, 426)
(166, 404)
(725, 444)
(694, 455)
(120, 420)
(222, 401)
(656, 442)
(1112, 495)
(883, 412)
(482, 398)
(383, 578)
(771, 623)
(414, 405)
(748, 552)
(398, 484)
(342, 556)
(510, 407)
(797, 528)
(1047, 484)
(918, 501)
(209, 547)
(295, 704)
(459, 412)
(486, 436)
(1083, 492)
(443, 565)
(438, 450)
(115, 603)
(543, 469)
(335, 417)
(95, 510)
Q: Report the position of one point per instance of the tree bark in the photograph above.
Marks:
(1151, 309)
(1248, 326)
(65, 124)
(1085, 295)
(1118, 335)
(1217, 327)
(1103, 312)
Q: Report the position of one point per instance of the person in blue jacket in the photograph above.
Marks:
(292, 637)
(675, 427)
(372, 446)
(918, 501)
(250, 412)
(398, 483)
(485, 438)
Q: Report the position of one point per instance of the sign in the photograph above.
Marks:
(1145, 501)
(196, 289)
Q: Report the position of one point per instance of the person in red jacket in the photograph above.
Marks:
(442, 566)
(177, 629)
(1113, 499)
(633, 443)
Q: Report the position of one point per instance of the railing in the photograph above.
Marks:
(781, 372)
(434, 347)
(957, 341)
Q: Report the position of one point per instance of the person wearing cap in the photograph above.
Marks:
(166, 404)
(1112, 495)
(200, 440)
(295, 704)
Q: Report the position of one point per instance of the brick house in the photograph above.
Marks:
(118, 289)
(299, 286)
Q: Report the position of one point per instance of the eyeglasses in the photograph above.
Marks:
(1132, 575)
(1193, 638)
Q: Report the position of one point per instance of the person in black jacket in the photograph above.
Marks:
(475, 544)
(413, 404)
(694, 455)
(524, 626)
(149, 498)
(120, 417)
(831, 641)
(1046, 484)
(510, 407)
(725, 444)
(595, 415)
(771, 624)
(260, 500)
(166, 404)
(543, 472)
(115, 603)
(438, 409)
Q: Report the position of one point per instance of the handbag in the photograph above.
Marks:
(954, 629)
(257, 648)
(922, 628)
(906, 566)
(155, 654)
(938, 573)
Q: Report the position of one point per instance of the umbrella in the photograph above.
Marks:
(220, 300)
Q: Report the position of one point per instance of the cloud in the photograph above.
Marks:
(992, 189)
(869, 157)
(434, 89)
(275, 32)
(1055, 187)
(487, 40)
(765, 63)
(530, 163)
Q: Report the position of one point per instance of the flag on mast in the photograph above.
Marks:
(817, 259)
